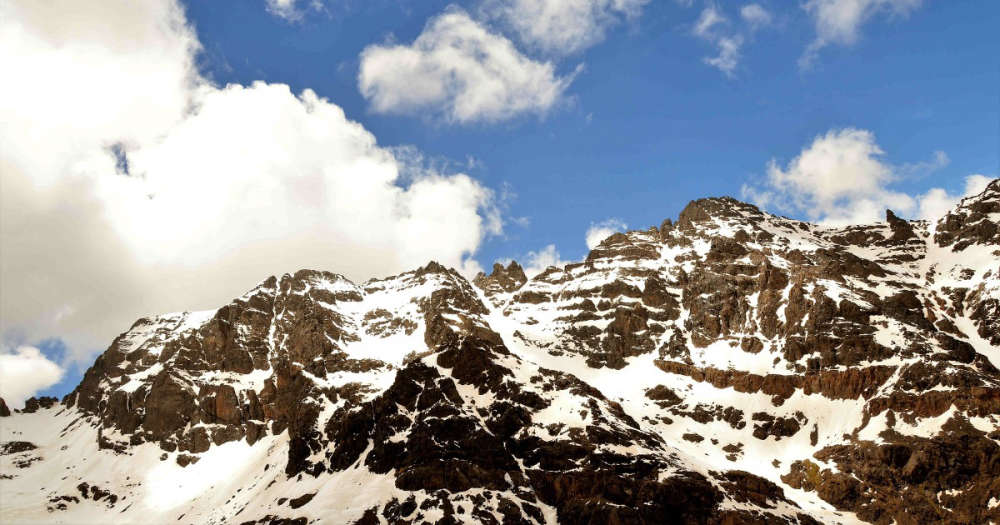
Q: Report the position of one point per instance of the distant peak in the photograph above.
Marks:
(973, 221)
(513, 270)
(501, 279)
(306, 274)
(703, 210)
(432, 267)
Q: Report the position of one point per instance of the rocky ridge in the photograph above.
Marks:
(730, 367)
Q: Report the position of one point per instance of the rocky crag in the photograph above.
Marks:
(730, 367)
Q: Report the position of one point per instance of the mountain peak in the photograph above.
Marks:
(718, 208)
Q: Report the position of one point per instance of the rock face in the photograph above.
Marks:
(729, 367)
(501, 282)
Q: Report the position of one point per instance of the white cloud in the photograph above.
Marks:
(709, 27)
(81, 77)
(925, 167)
(537, 262)
(602, 230)
(755, 16)
(843, 178)
(23, 372)
(976, 184)
(729, 54)
(294, 11)
(936, 202)
(840, 21)
(710, 18)
(458, 69)
(223, 186)
(286, 9)
(562, 27)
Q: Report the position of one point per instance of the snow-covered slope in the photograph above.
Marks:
(732, 367)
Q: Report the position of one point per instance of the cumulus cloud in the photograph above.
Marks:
(538, 262)
(842, 177)
(23, 372)
(840, 21)
(456, 68)
(562, 27)
(602, 230)
(132, 186)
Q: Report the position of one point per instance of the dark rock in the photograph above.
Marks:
(301, 500)
(14, 447)
(33, 404)
(501, 280)
(663, 394)
(902, 231)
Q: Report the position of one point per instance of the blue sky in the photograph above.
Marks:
(561, 127)
(650, 126)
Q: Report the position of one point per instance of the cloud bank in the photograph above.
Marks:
(133, 186)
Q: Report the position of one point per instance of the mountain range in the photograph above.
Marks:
(731, 367)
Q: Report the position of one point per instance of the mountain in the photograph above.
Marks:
(730, 367)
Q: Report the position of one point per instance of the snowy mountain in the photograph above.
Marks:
(730, 367)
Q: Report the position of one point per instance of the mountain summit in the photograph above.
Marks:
(730, 367)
